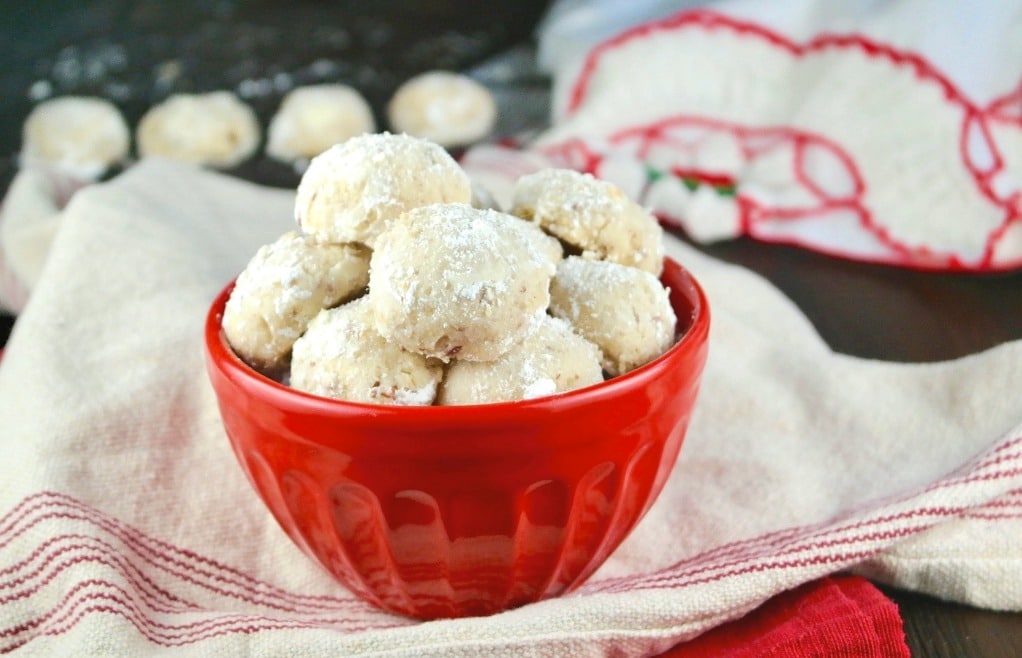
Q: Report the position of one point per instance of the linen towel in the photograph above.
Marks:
(127, 528)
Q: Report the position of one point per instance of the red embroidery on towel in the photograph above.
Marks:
(709, 20)
(1007, 108)
(974, 125)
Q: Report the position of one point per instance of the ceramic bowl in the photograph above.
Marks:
(469, 510)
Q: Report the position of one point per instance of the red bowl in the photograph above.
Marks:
(469, 510)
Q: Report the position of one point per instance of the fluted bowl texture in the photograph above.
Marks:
(469, 510)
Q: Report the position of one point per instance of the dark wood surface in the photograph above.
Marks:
(864, 310)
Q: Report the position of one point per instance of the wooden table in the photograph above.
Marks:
(864, 310)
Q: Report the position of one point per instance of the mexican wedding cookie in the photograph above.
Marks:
(552, 359)
(311, 119)
(343, 356)
(282, 289)
(452, 281)
(79, 136)
(352, 191)
(214, 129)
(448, 108)
(592, 215)
(625, 311)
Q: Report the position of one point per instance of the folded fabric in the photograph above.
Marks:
(833, 616)
(29, 218)
(834, 126)
(127, 528)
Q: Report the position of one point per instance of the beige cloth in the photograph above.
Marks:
(29, 218)
(127, 528)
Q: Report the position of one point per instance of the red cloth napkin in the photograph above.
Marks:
(833, 616)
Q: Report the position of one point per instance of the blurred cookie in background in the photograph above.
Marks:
(448, 108)
(313, 118)
(77, 136)
(214, 129)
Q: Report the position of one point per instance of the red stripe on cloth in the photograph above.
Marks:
(833, 616)
(180, 563)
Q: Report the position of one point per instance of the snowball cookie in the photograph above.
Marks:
(450, 280)
(343, 356)
(448, 108)
(623, 310)
(351, 191)
(77, 135)
(591, 214)
(282, 288)
(214, 129)
(552, 359)
(313, 118)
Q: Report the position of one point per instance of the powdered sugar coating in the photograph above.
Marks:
(79, 136)
(625, 311)
(214, 129)
(450, 280)
(313, 118)
(552, 359)
(448, 108)
(352, 191)
(282, 288)
(593, 215)
(343, 356)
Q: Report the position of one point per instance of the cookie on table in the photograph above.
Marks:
(448, 108)
(313, 118)
(623, 310)
(214, 129)
(341, 355)
(453, 281)
(353, 190)
(592, 215)
(552, 359)
(285, 285)
(77, 135)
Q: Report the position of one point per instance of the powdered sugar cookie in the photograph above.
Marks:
(625, 311)
(552, 359)
(79, 136)
(343, 356)
(282, 288)
(450, 280)
(593, 215)
(448, 108)
(313, 118)
(352, 191)
(214, 129)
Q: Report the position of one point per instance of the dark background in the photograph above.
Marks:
(137, 52)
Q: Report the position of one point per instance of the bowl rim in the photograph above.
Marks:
(222, 357)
